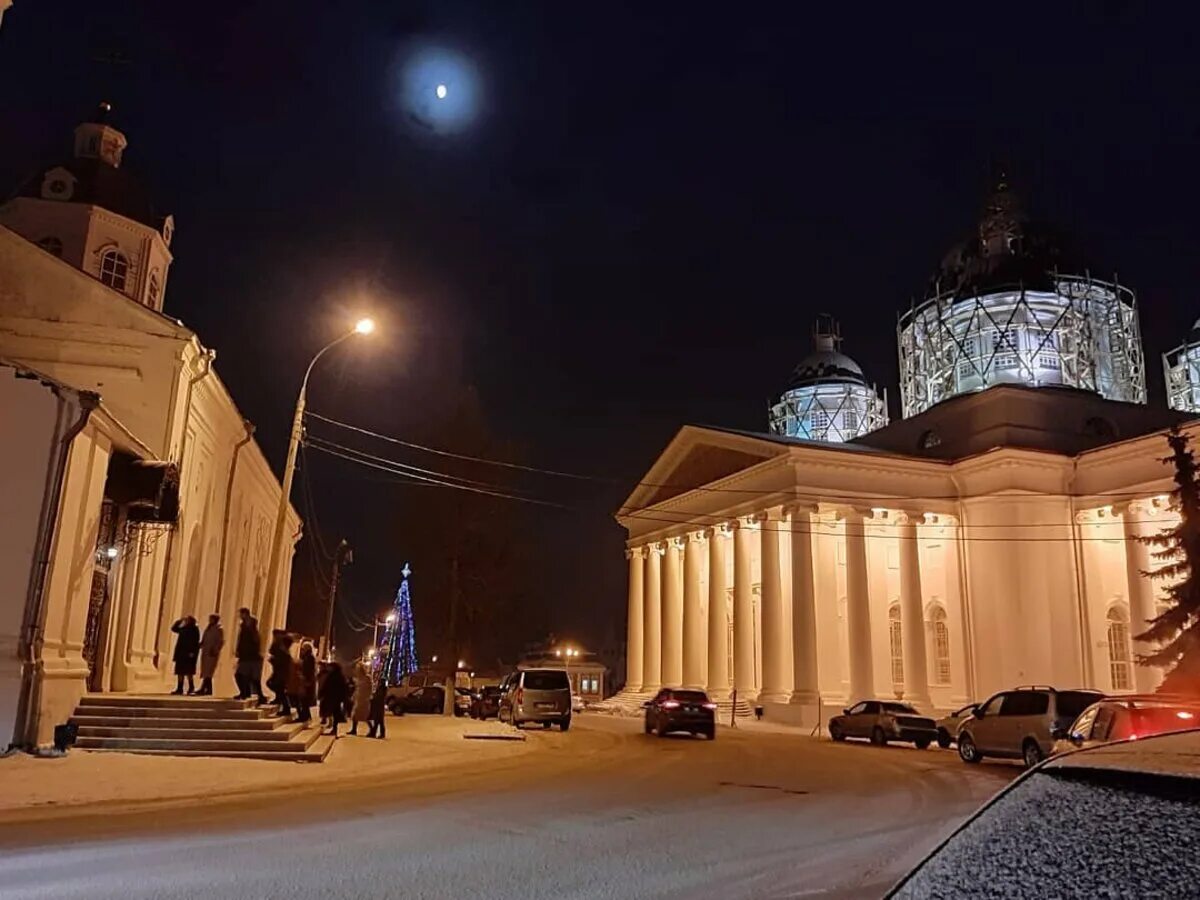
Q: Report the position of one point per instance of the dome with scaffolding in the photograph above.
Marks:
(1010, 306)
(1181, 367)
(828, 397)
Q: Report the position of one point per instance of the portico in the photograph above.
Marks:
(798, 574)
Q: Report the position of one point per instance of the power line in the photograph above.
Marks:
(317, 441)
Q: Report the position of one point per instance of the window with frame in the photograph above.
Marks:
(154, 289)
(114, 269)
(993, 706)
(941, 645)
(820, 419)
(51, 245)
(896, 643)
(850, 421)
(1120, 667)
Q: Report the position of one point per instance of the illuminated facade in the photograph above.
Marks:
(1181, 369)
(1004, 311)
(828, 398)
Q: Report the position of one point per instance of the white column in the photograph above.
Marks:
(652, 631)
(776, 639)
(1142, 607)
(695, 641)
(912, 613)
(718, 617)
(962, 688)
(672, 614)
(858, 608)
(634, 650)
(743, 612)
(804, 612)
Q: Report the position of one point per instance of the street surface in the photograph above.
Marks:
(602, 811)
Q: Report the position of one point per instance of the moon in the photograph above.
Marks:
(441, 92)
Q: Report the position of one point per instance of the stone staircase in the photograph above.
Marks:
(194, 726)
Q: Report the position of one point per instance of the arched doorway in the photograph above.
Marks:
(1120, 656)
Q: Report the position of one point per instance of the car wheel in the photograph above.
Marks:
(711, 732)
(836, 733)
(1031, 753)
(545, 726)
(922, 744)
(878, 738)
(944, 739)
(564, 724)
(646, 726)
(660, 729)
(967, 751)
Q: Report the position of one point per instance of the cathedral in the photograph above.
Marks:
(135, 492)
(985, 539)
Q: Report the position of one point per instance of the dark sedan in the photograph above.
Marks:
(486, 703)
(428, 699)
(677, 710)
(881, 721)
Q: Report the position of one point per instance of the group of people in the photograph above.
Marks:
(297, 685)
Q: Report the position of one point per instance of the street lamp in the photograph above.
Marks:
(361, 327)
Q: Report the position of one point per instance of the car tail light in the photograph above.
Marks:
(710, 706)
(669, 704)
(520, 696)
(1184, 714)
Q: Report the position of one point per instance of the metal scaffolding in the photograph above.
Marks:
(1077, 332)
(1181, 368)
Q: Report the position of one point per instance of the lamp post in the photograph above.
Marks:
(362, 327)
(391, 618)
(567, 654)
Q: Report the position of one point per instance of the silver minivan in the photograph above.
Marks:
(1022, 723)
(537, 695)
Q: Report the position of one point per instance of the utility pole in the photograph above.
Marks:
(341, 556)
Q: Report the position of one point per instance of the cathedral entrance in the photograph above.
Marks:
(99, 607)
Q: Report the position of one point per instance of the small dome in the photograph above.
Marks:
(826, 366)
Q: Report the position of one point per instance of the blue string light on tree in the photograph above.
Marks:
(400, 639)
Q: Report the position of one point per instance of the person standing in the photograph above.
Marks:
(248, 651)
(187, 648)
(211, 644)
(334, 693)
(378, 711)
(304, 683)
(280, 656)
(361, 709)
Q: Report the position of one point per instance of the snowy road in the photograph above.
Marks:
(600, 812)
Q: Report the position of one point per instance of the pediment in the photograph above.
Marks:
(699, 456)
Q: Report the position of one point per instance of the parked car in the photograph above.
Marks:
(410, 683)
(486, 702)
(882, 721)
(1116, 820)
(1021, 723)
(677, 710)
(947, 726)
(428, 699)
(1129, 718)
(462, 701)
(537, 695)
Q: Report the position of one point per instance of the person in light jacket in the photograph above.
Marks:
(187, 648)
(211, 644)
(361, 710)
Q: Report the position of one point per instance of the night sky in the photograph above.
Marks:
(634, 232)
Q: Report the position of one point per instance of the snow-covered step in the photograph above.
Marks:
(315, 752)
(166, 701)
(126, 721)
(135, 743)
(164, 712)
(285, 733)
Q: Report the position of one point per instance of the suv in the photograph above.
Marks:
(1021, 723)
(1130, 718)
(537, 695)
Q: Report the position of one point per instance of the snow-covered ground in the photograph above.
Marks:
(602, 811)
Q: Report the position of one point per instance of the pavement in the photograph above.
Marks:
(602, 811)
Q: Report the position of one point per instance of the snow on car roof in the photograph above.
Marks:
(1165, 754)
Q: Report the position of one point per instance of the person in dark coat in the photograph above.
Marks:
(187, 649)
(304, 683)
(335, 691)
(211, 644)
(248, 651)
(378, 710)
(280, 656)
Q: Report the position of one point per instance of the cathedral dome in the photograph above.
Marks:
(826, 365)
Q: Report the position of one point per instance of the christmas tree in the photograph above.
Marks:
(1176, 631)
(400, 640)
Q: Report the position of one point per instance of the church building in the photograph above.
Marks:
(986, 539)
(134, 492)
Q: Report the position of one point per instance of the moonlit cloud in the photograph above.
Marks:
(439, 89)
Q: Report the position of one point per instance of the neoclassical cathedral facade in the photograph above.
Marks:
(986, 539)
(134, 490)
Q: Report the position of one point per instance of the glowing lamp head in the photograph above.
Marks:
(364, 326)
(441, 91)
(461, 664)
(111, 552)
(391, 618)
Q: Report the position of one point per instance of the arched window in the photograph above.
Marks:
(941, 645)
(51, 245)
(896, 642)
(114, 269)
(154, 288)
(1120, 666)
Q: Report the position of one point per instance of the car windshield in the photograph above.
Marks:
(546, 681)
(899, 708)
(1014, 849)
(689, 696)
(1072, 703)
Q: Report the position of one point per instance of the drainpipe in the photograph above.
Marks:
(206, 357)
(34, 620)
(1080, 584)
(249, 426)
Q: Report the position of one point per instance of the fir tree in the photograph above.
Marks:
(1176, 631)
(400, 638)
